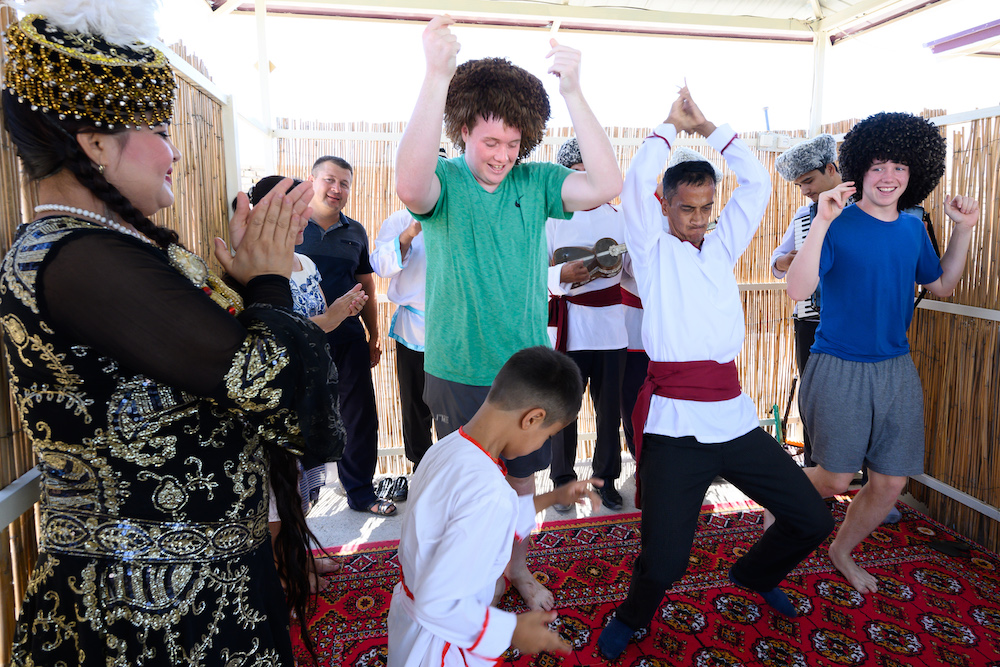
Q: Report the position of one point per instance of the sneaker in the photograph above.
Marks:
(610, 497)
(893, 516)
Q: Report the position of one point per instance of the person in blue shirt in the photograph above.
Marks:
(861, 397)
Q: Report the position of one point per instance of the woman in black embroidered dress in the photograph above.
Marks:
(155, 396)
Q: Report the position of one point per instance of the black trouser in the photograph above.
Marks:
(417, 417)
(676, 472)
(604, 369)
(636, 366)
(805, 334)
(357, 407)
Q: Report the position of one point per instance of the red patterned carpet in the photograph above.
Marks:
(931, 609)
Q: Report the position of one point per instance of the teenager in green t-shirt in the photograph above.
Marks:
(483, 216)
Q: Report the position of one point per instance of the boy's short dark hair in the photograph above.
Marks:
(691, 172)
(539, 377)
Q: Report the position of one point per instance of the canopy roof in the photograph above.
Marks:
(772, 20)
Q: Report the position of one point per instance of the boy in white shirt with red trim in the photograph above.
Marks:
(463, 517)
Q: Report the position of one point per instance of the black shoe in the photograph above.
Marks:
(384, 488)
(400, 490)
(610, 497)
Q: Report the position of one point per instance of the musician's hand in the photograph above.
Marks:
(574, 272)
(783, 262)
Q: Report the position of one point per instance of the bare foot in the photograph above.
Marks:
(862, 581)
(536, 596)
(326, 565)
(499, 591)
(768, 519)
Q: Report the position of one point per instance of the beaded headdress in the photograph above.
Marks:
(77, 74)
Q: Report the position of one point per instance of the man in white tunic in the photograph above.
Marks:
(463, 517)
(401, 257)
(586, 321)
(700, 424)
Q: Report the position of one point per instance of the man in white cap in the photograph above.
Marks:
(700, 423)
(586, 322)
(811, 165)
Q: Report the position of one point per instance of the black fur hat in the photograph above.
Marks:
(902, 138)
(496, 88)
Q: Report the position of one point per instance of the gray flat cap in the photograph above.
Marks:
(815, 153)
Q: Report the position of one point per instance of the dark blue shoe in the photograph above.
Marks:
(775, 597)
(613, 639)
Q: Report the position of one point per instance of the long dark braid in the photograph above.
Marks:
(91, 178)
(291, 554)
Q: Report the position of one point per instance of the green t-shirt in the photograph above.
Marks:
(486, 268)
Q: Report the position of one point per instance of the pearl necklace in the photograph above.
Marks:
(107, 222)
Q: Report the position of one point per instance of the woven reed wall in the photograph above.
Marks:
(19, 539)
(957, 356)
(767, 363)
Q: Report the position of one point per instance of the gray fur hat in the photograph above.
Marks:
(803, 157)
(684, 154)
(569, 153)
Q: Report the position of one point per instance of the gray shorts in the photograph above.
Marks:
(864, 413)
(453, 404)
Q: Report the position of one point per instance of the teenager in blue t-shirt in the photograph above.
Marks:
(861, 397)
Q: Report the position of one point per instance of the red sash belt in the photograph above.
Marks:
(631, 300)
(685, 380)
(447, 645)
(558, 309)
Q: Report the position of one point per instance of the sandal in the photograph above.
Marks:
(400, 489)
(382, 508)
(383, 489)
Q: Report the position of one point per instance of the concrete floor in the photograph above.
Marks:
(335, 524)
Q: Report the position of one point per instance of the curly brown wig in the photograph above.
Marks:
(496, 88)
(897, 137)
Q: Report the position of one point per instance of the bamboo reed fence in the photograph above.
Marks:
(956, 355)
(20, 537)
(766, 366)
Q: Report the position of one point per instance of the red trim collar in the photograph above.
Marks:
(499, 462)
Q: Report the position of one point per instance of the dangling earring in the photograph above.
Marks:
(100, 169)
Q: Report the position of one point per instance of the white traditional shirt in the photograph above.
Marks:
(691, 301)
(461, 520)
(407, 279)
(589, 327)
(803, 309)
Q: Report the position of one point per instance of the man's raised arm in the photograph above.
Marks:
(416, 159)
(602, 181)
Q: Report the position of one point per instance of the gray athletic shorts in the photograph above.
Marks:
(869, 413)
(453, 404)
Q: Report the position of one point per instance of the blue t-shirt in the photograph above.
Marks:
(867, 272)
